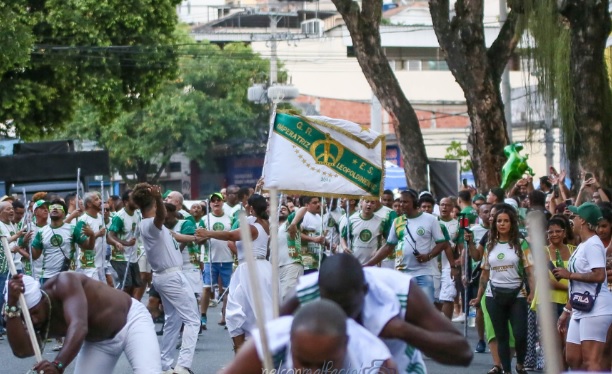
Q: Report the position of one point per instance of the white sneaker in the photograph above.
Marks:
(182, 370)
(460, 318)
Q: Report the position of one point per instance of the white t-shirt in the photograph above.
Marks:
(364, 350)
(287, 255)
(9, 230)
(590, 255)
(311, 225)
(365, 235)
(96, 224)
(426, 232)
(452, 226)
(162, 250)
(231, 210)
(56, 245)
(332, 218)
(504, 266)
(220, 249)
(479, 232)
(125, 226)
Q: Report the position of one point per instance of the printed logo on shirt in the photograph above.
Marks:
(218, 226)
(501, 256)
(420, 231)
(133, 226)
(56, 240)
(331, 222)
(365, 235)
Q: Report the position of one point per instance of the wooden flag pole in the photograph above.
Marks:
(247, 246)
(22, 302)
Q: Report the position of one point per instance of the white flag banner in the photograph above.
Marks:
(323, 156)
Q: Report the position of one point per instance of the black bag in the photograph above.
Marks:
(65, 264)
(583, 301)
(505, 296)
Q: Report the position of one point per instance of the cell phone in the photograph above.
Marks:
(465, 182)
(588, 176)
(568, 202)
(416, 253)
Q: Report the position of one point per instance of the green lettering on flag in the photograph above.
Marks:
(329, 152)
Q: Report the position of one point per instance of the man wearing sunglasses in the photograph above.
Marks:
(55, 241)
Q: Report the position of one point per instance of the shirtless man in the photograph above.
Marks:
(98, 323)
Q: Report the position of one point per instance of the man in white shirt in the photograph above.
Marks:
(320, 338)
(232, 203)
(7, 214)
(169, 281)
(93, 218)
(313, 239)
(176, 198)
(363, 231)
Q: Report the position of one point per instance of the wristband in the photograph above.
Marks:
(567, 310)
(12, 311)
(59, 365)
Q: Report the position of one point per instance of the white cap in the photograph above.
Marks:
(512, 202)
(32, 291)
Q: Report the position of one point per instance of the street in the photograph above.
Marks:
(214, 350)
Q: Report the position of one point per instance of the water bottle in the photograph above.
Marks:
(472, 316)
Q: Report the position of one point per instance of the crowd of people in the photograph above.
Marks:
(363, 283)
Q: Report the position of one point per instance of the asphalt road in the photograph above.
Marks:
(214, 350)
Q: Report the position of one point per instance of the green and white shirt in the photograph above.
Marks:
(220, 249)
(96, 224)
(57, 243)
(125, 226)
(365, 235)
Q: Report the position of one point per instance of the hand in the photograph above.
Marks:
(131, 242)
(202, 233)
(528, 179)
(15, 288)
(319, 240)
(562, 322)
(259, 184)
(455, 272)
(468, 236)
(88, 231)
(101, 233)
(423, 258)
(474, 302)
(46, 367)
(119, 247)
(155, 192)
(530, 298)
(347, 250)
(561, 273)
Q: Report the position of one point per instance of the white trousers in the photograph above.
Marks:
(289, 275)
(180, 307)
(137, 339)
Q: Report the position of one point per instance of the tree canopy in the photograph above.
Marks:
(113, 54)
(205, 105)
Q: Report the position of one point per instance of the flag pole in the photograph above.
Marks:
(274, 206)
(22, 302)
(348, 225)
(247, 245)
(27, 221)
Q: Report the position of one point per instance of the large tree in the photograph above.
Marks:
(206, 105)
(478, 71)
(363, 24)
(113, 54)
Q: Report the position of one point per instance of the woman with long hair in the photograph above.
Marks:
(240, 315)
(589, 309)
(506, 269)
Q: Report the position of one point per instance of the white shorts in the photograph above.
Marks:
(194, 277)
(448, 291)
(137, 339)
(92, 273)
(589, 328)
(437, 285)
(143, 264)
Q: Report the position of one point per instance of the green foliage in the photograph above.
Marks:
(110, 53)
(455, 151)
(550, 53)
(206, 105)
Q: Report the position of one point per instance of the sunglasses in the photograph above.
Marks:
(56, 206)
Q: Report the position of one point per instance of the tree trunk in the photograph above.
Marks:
(589, 28)
(363, 26)
(478, 71)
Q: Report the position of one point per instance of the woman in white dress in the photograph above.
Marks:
(240, 314)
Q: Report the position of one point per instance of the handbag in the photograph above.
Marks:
(584, 301)
(505, 296)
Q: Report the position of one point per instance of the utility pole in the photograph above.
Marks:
(505, 83)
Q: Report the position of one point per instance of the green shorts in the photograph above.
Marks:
(489, 332)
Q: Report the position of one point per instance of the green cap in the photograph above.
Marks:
(588, 212)
(218, 195)
(165, 195)
(478, 197)
(40, 203)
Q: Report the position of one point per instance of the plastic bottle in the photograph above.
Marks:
(472, 316)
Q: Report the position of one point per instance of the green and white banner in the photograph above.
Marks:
(324, 156)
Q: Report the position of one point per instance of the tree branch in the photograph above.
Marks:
(439, 16)
(502, 48)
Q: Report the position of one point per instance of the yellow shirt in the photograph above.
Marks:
(557, 296)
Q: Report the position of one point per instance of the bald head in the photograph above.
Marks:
(175, 198)
(4, 205)
(341, 280)
(321, 317)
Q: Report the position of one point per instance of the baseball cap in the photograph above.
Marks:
(217, 195)
(478, 197)
(425, 193)
(165, 195)
(40, 203)
(588, 212)
(7, 198)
